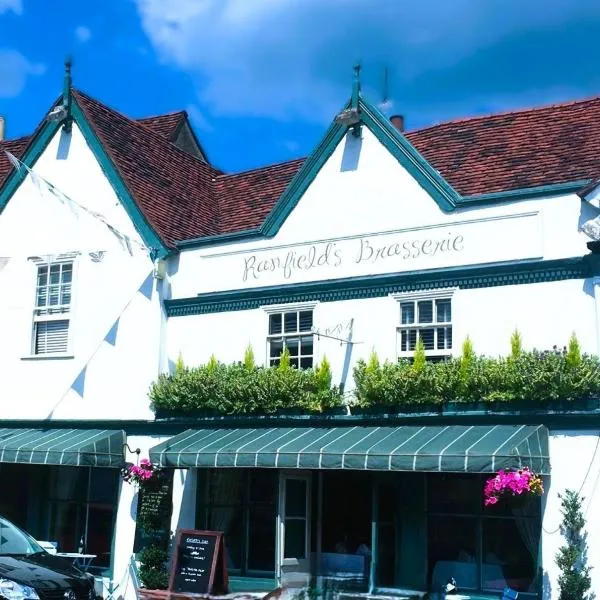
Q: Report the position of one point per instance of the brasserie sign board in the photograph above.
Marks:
(478, 241)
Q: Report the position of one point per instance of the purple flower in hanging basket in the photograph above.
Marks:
(512, 483)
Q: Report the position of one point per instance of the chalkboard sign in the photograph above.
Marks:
(153, 520)
(199, 563)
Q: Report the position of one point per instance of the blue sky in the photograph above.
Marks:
(262, 79)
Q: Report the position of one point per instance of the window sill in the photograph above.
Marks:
(48, 357)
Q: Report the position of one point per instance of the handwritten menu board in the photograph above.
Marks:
(199, 563)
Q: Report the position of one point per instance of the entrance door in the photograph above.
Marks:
(294, 523)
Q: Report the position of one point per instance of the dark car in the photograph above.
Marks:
(28, 572)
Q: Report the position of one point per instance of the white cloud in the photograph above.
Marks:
(14, 71)
(83, 33)
(292, 58)
(15, 5)
(198, 119)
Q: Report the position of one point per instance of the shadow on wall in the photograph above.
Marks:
(64, 144)
(351, 156)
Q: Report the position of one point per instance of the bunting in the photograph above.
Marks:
(78, 385)
(147, 287)
(111, 336)
(45, 187)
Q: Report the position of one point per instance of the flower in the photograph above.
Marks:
(141, 473)
(514, 483)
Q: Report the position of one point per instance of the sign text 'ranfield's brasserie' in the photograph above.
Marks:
(315, 366)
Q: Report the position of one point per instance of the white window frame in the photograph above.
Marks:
(283, 308)
(63, 312)
(415, 297)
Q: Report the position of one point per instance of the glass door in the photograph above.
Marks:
(294, 522)
(386, 547)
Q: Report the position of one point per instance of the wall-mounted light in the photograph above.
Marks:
(58, 113)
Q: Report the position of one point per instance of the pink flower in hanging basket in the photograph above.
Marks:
(139, 474)
(512, 483)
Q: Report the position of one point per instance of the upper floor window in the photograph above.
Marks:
(51, 315)
(291, 329)
(428, 318)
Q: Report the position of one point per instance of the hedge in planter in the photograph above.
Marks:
(523, 376)
(244, 388)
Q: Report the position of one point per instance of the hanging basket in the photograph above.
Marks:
(512, 486)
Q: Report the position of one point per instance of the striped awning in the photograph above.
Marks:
(78, 447)
(451, 448)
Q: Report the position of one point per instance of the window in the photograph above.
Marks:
(291, 329)
(52, 308)
(484, 549)
(428, 319)
(241, 503)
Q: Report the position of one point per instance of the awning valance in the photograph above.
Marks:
(77, 447)
(451, 448)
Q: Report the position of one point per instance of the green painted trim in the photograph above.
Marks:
(34, 150)
(223, 238)
(303, 178)
(409, 157)
(555, 189)
(141, 224)
(372, 286)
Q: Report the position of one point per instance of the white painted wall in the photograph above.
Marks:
(38, 224)
(575, 462)
(487, 315)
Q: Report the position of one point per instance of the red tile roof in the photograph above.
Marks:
(166, 125)
(183, 197)
(16, 147)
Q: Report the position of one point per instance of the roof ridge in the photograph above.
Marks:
(506, 113)
(262, 168)
(167, 114)
(213, 171)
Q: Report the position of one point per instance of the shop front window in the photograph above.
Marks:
(242, 505)
(486, 549)
(81, 510)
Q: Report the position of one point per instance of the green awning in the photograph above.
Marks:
(451, 448)
(78, 447)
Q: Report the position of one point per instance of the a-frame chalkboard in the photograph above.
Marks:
(199, 566)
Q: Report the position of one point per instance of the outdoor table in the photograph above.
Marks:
(81, 561)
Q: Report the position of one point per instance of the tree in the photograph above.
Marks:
(574, 581)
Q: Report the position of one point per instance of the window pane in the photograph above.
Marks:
(407, 313)
(42, 275)
(54, 295)
(54, 274)
(306, 320)
(427, 335)
(290, 324)
(412, 339)
(274, 324)
(425, 311)
(306, 362)
(444, 310)
(454, 493)
(444, 338)
(292, 344)
(510, 549)
(306, 345)
(275, 348)
(295, 539)
(67, 273)
(295, 498)
(262, 486)
(65, 297)
(452, 551)
(295, 362)
(42, 296)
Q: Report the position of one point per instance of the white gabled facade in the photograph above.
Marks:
(361, 247)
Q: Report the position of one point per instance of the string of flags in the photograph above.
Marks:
(44, 186)
(78, 385)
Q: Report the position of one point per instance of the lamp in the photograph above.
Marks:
(58, 113)
(348, 117)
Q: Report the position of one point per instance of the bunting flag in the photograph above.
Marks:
(147, 287)
(4, 260)
(98, 256)
(78, 385)
(44, 186)
(111, 336)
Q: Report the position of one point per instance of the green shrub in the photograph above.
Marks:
(153, 570)
(244, 388)
(528, 376)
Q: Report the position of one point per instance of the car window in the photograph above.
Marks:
(15, 541)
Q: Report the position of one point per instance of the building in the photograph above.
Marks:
(142, 252)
